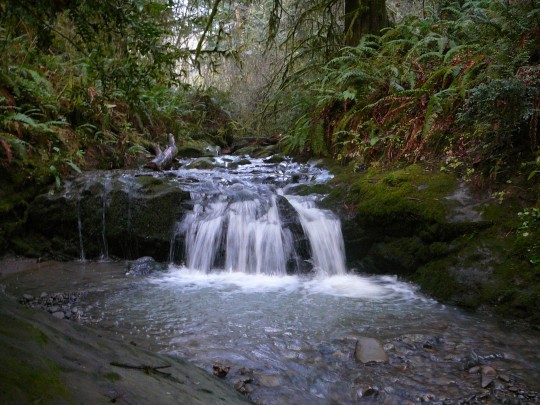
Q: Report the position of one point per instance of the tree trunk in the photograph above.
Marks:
(364, 17)
(163, 159)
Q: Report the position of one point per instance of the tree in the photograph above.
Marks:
(363, 17)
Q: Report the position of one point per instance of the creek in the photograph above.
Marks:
(257, 281)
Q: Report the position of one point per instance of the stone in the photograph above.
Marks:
(43, 295)
(59, 315)
(488, 375)
(144, 266)
(369, 350)
(504, 378)
(474, 370)
(28, 297)
(220, 370)
(53, 309)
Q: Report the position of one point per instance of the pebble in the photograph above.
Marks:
(474, 370)
(488, 375)
(60, 305)
(504, 378)
(369, 350)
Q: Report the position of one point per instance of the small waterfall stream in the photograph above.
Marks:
(248, 236)
(257, 281)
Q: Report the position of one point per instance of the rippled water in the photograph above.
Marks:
(294, 336)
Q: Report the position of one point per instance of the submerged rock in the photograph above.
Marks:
(369, 350)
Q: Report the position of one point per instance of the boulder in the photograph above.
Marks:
(101, 215)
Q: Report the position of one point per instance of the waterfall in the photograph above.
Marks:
(323, 230)
(247, 233)
(79, 225)
(104, 198)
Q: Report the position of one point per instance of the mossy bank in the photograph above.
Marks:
(463, 244)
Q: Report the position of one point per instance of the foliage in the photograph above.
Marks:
(463, 82)
(528, 235)
(91, 84)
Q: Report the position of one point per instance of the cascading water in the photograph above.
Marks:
(240, 229)
(104, 201)
(79, 226)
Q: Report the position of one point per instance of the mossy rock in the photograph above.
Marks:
(202, 163)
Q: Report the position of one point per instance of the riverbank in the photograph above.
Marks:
(467, 244)
(52, 361)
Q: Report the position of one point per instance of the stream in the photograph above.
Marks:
(269, 295)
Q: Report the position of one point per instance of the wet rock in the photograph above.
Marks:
(369, 350)
(144, 266)
(27, 297)
(220, 370)
(369, 392)
(504, 378)
(474, 370)
(488, 375)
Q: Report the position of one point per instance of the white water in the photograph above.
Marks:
(238, 225)
(323, 229)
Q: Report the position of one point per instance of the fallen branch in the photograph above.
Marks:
(145, 368)
(163, 159)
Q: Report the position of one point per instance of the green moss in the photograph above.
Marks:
(27, 377)
(149, 181)
(305, 189)
(399, 198)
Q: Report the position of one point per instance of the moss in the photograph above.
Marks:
(305, 189)
(397, 200)
(27, 377)
(149, 181)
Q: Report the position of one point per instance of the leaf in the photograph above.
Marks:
(348, 95)
(73, 166)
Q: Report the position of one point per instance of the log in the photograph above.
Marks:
(163, 159)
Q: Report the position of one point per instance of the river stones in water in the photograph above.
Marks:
(144, 266)
(369, 350)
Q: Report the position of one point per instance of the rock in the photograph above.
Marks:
(59, 315)
(370, 391)
(504, 378)
(488, 375)
(28, 297)
(53, 309)
(220, 370)
(144, 266)
(474, 370)
(43, 295)
(369, 350)
(202, 163)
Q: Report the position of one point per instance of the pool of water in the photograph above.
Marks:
(291, 339)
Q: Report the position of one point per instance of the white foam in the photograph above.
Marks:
(348, 285)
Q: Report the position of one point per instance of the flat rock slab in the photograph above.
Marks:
(52, 361)
(369, 350)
